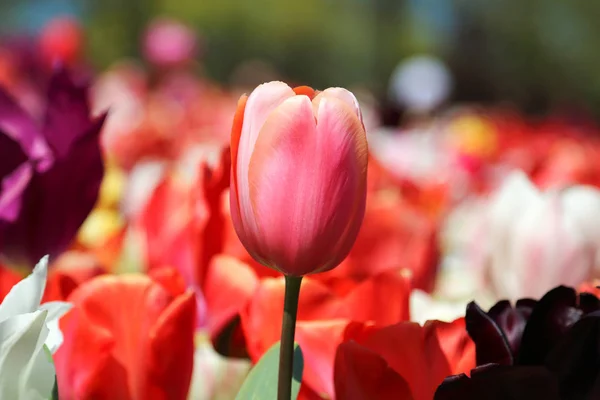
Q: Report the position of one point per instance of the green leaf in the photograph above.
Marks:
(55, 390)
(261, 383)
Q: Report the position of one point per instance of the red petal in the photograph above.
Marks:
(361, 374)
(455, 343)
(127, 337)
(306, 91)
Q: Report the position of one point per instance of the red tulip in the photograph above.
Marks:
(8, 278)
(298, 183)
(404, 361)
(128, 337)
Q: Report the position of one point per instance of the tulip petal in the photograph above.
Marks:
(549, 321)
(229, 286)
(19, 126)
(575, 360)
(40, 376)
(67, 114)
(55, 309)
(341, 94)
(500, 383)
(21, 338)
(310, 178)
(25, 296)
(11, 155)
(383, 299)
(319, 341)
(236, 134)
(305, 90)
(455, 343)
(361, 374)
(492, 345)
(172, 361)
(412, 351)
(512, 321)
(261, 103)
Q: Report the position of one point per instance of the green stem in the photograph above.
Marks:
(288, 329)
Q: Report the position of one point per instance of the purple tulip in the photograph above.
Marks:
(50, 171)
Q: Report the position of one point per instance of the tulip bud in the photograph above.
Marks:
(298, 182)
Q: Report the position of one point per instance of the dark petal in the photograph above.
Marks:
(588, 303)
(230, 341)
(512, 321)
(576, 360)
(11, 155)
(490, 343)
(361, 374)
(500, 383)
(525, 306)
(550, 320)
(19, 126)
(56, 203)
(67, 113)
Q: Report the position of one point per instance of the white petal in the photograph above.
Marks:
(56, 309)
(424, 308)
(515, 195)
(21, 338)
(39, 378)
(25, 296)
(215, 376)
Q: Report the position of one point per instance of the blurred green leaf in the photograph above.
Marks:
(55, 390)
(261, 382)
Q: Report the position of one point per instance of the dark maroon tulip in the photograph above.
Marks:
(512, 320)
(500, 382)
(575, 360)
(51, 179)
(490, 342)
(550, 320)
(558, 356)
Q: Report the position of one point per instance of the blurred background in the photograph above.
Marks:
(537, 55)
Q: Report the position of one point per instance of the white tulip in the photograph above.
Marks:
(28, 333)
(538, 240)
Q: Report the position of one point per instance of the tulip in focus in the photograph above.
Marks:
(538, 240)
(27, 332)
(298, 185)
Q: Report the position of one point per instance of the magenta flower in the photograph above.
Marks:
(50, 171)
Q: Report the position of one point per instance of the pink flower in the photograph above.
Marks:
(298, 183)
(169, 43)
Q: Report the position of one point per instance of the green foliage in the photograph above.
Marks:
(261, 382)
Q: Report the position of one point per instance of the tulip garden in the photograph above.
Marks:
(165, 237)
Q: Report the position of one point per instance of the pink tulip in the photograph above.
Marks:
(298, 182)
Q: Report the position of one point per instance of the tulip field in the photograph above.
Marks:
(167, 237)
